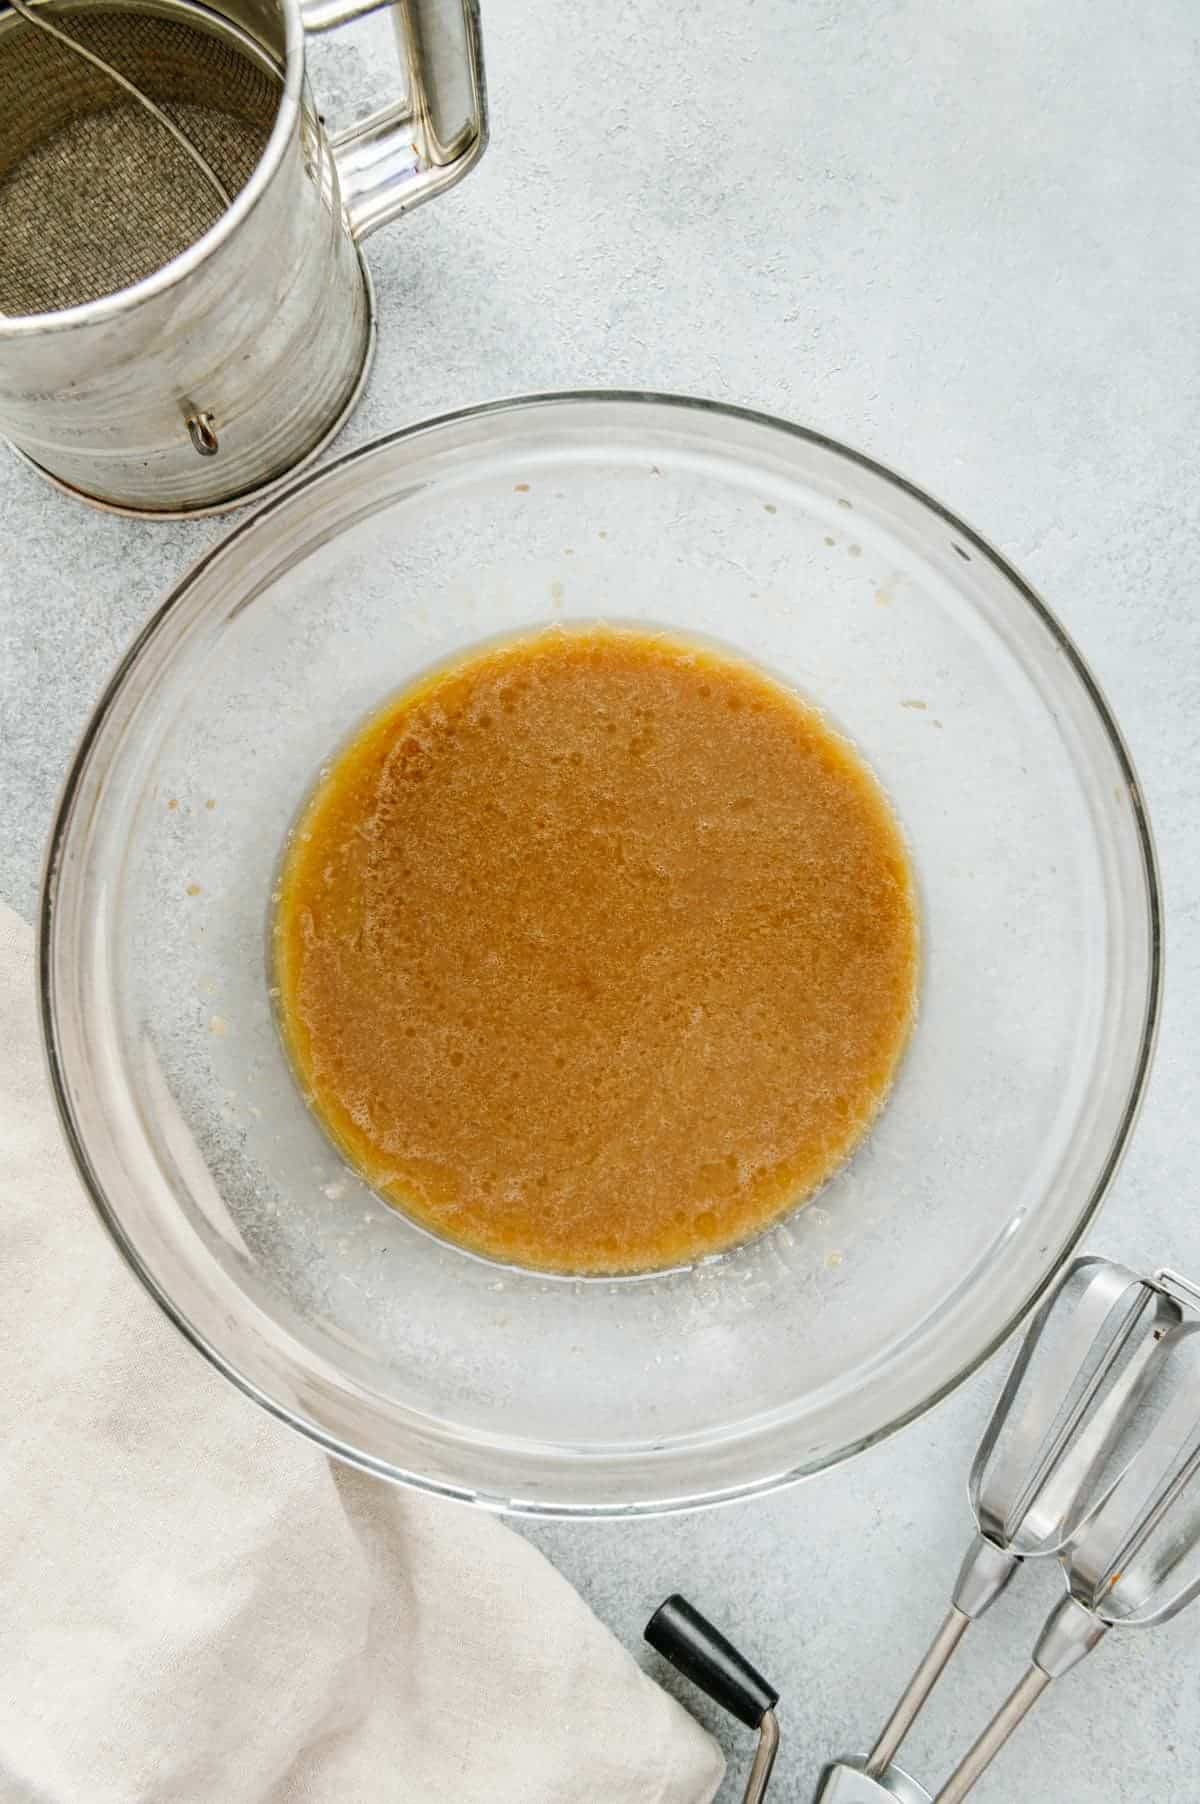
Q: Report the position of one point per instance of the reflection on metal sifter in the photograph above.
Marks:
(184, 312)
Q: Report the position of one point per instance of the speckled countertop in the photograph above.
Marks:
(966, 240)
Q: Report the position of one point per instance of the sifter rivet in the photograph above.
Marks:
(202, 433)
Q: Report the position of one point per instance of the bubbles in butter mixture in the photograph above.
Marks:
(597, 951)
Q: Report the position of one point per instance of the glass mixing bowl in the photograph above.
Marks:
(1039, 989)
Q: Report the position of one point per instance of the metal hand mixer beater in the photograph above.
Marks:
(1090, 1454)
(1132, 1561)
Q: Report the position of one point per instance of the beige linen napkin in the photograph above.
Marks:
(197, 1608)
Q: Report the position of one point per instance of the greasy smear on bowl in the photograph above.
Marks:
(597, 950)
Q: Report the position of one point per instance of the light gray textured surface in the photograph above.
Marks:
(966, 241)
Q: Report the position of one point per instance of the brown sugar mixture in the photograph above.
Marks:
(597, 951)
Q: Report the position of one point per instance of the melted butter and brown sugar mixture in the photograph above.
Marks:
(597, 951)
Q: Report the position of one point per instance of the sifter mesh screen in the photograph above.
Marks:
(94, 191)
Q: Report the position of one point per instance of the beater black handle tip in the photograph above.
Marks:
(701, 1653)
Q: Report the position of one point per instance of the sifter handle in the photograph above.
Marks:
(701, 1653)
(421, 145)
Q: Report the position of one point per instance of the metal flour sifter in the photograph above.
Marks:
(184, 312)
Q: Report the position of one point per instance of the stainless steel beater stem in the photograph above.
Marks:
(985, 1571)
(1016, 1706)
(918, 1689)
(1070, 1634)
